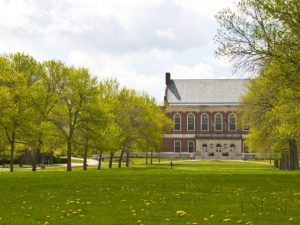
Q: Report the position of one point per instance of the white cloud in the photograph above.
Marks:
(199, 71)
(133, 41)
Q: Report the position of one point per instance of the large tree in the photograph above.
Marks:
(17, 75)
(78, 89)
(262, 36)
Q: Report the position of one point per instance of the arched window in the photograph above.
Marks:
(204, 147)
(204, 122)
(232, 122)
(218, 122)
(232, 148)
(191, 121)
(218, 148)
(177, 122)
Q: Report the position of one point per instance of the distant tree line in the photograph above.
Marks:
(263, 36)
(50, 107)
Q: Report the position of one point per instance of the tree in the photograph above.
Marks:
(42, 99)
(77, 89)
(263, 36)
(17, 74)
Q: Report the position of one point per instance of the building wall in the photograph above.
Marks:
(212, 136)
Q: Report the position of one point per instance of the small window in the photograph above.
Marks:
(191, 146)
(177, 122)
(218, 122)
(177, 146)
(232, 122)
(191, 122)
(204, 122)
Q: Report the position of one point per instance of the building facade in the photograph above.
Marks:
(205, 118)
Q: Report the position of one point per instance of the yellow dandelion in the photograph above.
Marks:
(139, 221)
(194, 223)
(205, 219)
(180, 213)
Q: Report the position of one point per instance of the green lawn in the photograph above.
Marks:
(208, 192)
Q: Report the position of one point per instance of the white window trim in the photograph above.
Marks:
(179, 145)
(189, 146)
(229, 122)
(215, 122)
(174, 121)
(187, 122)
(207, 122)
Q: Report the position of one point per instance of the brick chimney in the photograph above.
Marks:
(168, 78)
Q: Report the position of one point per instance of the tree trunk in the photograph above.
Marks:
(85, 153)
(294, 161)
(69, 154)
(151, 157)
(127, 158)
(147, 157)
(12, 151)
(120, 159)
(36, 155)
(99, 161)
(284, 161)
(111, 157)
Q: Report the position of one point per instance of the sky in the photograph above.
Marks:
(134, 41)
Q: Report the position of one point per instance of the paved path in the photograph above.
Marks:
(90, 162)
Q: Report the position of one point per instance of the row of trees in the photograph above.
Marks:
(50, 107)
(263, 36)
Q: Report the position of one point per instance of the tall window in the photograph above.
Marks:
(177, 122)
(191, 146)
(232, 122)
(218, 122)
(191, 121)
(204, 122)
(177, 146)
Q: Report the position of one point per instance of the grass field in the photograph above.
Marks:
(207, 192)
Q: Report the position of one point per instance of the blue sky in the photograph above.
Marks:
(132, 40)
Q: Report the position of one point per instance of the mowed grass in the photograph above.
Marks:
(208, 192)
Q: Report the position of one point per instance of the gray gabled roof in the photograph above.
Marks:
(206, 91)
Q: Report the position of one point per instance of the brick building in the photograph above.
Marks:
(205, 120)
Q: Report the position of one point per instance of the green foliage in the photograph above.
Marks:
(263, 36)
(50, 107)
